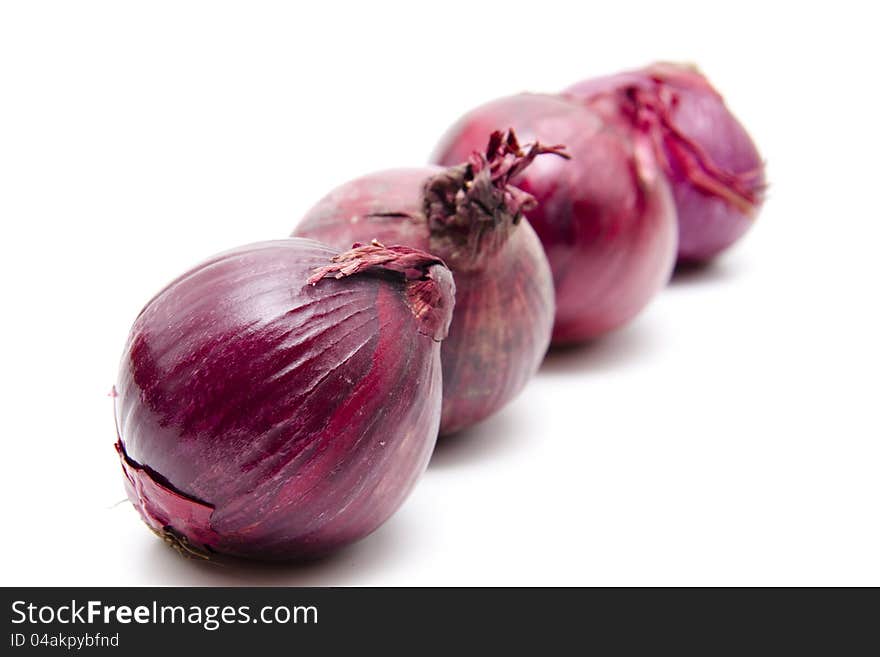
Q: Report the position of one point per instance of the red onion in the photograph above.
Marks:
(605, 219)
(261, 416)
(716, 172)
(471, 216)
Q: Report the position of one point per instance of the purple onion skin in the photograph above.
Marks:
(605, 218)
(716, 172)
(504, 292)
(264, 417)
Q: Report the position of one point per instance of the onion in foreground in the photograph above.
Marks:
(716, 172)
(281, 399)
(605, 218)
(470, 215)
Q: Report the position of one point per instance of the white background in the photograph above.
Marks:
(728, 436)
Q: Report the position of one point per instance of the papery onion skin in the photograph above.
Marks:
(605, 218)
(716, 172)
(504, 292)
(261, 415)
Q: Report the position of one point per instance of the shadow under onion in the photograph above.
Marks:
(601, 355)
(712, 272)
(481, 443)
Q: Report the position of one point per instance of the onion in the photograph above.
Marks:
(716, 172)
(471, 216)
(605, 219)
(261, 416)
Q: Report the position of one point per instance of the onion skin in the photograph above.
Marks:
(716, 172)
(504, 291)
(605, 218)
(269, 412)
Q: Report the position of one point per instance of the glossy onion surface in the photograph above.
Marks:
(716, 172)
(605, 218)
(262, 415)
(504, 293)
